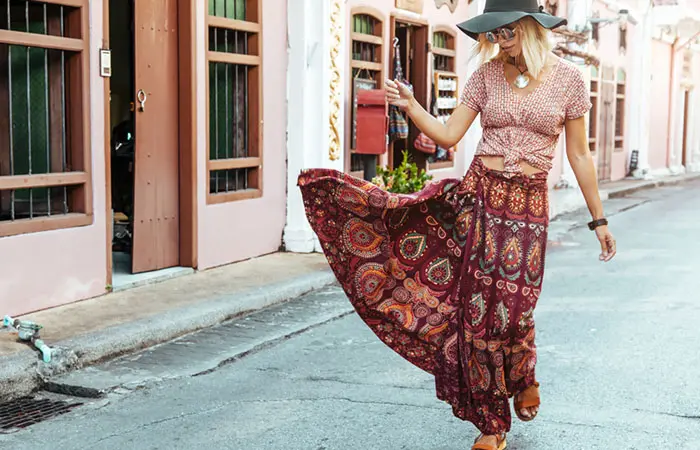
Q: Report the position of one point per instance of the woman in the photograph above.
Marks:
(449, 277)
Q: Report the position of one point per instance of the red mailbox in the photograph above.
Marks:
(371, 122)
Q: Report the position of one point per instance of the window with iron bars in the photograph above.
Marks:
(44, 114)
(235, 100)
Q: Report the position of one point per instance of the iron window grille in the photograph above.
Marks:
(45, 179)
(235, 100)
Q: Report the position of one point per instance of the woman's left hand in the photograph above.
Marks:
(607, 243)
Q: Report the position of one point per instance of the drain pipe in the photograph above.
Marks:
(29, 332)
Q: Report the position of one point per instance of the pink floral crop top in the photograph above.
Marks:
(524, 128)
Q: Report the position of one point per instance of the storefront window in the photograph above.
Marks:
(235, 100)
(445, 89)
(44, 114)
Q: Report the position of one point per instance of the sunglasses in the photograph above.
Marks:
(506, 33)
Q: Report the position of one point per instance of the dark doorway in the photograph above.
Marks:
(144, 152)
(413, 42)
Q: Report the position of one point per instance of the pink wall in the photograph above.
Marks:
(611, 55)
(72, 264)
(435, 17)
(660, 98)
(53, 268)
(240, 230)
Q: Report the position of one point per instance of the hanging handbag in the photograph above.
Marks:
(398, 126)
(424, 144)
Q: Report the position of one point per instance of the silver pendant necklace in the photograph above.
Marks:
(522, 80)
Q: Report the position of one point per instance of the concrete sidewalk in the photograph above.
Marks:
(102, 328)
(91, 331)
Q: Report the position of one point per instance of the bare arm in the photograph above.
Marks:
(582, 163)
(445, 135)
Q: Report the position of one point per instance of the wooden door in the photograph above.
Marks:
(606, 145)
(156, 180)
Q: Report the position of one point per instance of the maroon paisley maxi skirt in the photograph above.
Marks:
(447, 277)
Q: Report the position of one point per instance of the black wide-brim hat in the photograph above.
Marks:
(498, 13)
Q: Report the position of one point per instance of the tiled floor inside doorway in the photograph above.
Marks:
(122, 278)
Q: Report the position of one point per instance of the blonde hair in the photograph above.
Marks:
(536, 43)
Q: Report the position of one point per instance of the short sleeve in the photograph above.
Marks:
(474, 93)
(578, 100)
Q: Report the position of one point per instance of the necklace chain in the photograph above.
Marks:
(515, 64)
(522, 80)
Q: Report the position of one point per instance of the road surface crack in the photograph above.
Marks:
(227, 404)
(345, 399)
(670, 414)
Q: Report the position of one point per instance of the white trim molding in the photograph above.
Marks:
(313, 55)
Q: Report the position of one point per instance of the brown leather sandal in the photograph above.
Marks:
(483, 446)
(529, 398)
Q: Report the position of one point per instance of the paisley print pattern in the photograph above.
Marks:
(511, 256)
(439, 271)
(370, 282)
(360, 239)
(447, 277)
(412, 246)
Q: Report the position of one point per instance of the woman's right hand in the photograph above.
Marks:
(397, 94)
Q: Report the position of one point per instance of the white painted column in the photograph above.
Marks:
(641, 122)
(673, 160)
(577, 13)
(473, 136)
(309, 106)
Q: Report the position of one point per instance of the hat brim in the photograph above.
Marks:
(492, 20)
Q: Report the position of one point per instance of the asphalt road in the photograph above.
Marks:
(618, 362)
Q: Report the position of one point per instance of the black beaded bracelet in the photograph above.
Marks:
(592, 225)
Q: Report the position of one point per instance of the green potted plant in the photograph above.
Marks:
(404, 179)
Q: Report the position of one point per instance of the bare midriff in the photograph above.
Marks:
(496, 163)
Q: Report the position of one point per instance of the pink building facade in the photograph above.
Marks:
(431, 50)
(166, 154)
(644, 88)
(641, 61)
